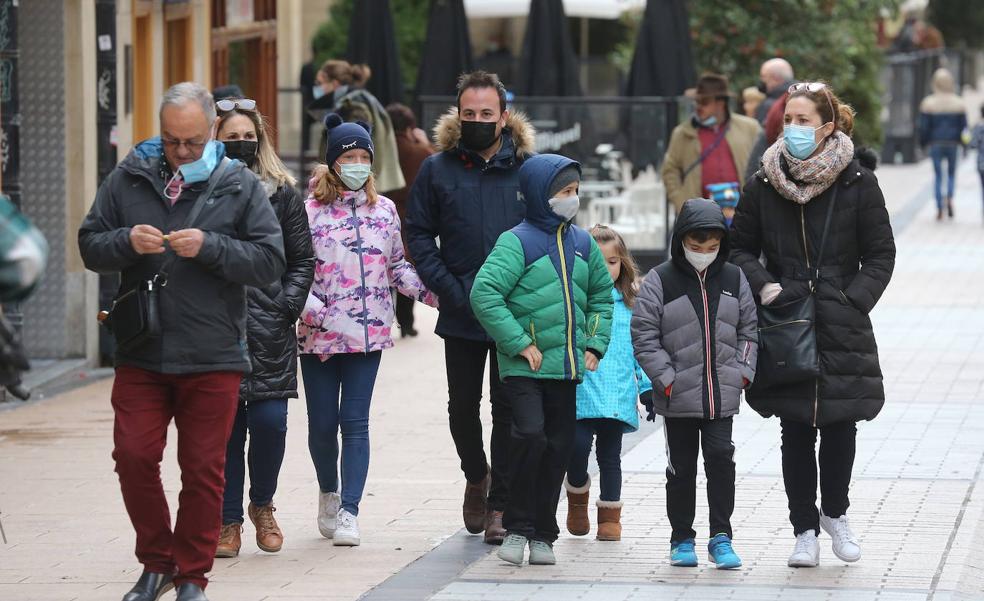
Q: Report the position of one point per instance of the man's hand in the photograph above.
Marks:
(146, 240)
(533, 356)
(590, 361)
(186, 243)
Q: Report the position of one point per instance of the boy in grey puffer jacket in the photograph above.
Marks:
(694, 334)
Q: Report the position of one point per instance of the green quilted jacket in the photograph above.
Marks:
(545, 283)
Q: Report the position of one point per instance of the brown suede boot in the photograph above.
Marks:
(229, 541)
(494, 532)
(578, 523)
(269, 538)
(609, 520)
(476, 503)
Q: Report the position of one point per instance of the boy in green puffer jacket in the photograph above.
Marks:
(544, 295)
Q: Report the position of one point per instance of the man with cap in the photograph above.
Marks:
(711, 149)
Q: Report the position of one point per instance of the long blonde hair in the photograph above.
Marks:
(268, 164)
(626, 282)
(325, 186)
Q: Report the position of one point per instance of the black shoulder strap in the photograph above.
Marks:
(703, 156)
(161, 278)
(826, 228)
(731, 279)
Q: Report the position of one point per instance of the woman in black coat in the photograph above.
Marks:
(781, 216)
(270, 336)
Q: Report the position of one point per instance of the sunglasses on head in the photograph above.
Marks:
(225, 105)
(813, 87)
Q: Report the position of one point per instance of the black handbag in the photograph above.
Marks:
(787, 351)
(135, 315)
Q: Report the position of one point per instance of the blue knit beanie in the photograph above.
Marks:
(343, 137)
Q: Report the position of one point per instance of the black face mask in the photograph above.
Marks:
(244, 150)
(762, 87)
(478, 135)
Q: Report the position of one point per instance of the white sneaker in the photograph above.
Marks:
(347, 533)
(806, 553)
(845, 544)
(328, 505)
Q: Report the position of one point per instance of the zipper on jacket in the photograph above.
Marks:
(707, 344)
(806, 250)
(595, 323)
(362, 270)
(533, 332)
(785, 323)
(568, 302)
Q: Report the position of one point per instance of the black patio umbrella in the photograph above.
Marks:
(372, 41)
(447, 49)
(663, 65)
(548, 66)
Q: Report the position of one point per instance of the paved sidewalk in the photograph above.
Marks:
(916, 504)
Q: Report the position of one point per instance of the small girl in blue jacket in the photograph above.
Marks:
(606, 403)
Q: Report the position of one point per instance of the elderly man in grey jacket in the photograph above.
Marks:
(188, 230)
(694, 334)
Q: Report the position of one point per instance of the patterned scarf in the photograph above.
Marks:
(807, 179)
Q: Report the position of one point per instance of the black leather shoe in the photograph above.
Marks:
(150, 587)
(191, 592)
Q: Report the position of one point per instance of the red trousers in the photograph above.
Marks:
(203, 407)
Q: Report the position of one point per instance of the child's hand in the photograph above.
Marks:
(590, 361)
(533, 356)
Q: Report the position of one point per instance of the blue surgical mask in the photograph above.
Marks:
(354, 175)
(317, 91)
(710, 121)
(565, 208)
(800, 140)
(200, 170)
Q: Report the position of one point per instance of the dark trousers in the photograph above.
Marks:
(203, 407)
(544, 419)
(338, 393)
(608, 452)
(265, 422)
(939, 153)
(683, 438)
(465, 362)
(404, 312)
(799, 471)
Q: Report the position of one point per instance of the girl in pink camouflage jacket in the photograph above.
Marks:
(346, 321)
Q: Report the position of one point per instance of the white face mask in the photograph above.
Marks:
(565, 208)
(700, 261)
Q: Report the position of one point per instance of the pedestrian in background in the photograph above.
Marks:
(751, 100)
(694, 333)
(607, 402)
(414, 148)
(188, 230)
(545, 296)
(345, 324)
(271, 313)
(977, 143)
(819, 219)
(942, 121)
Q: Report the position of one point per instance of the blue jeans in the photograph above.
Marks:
(338, 393)
(266, 423)
(939, 152)
(608, 451)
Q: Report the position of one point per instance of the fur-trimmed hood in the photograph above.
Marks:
(447, 132)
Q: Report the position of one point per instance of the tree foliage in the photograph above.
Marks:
(830, 40)
(409, 20)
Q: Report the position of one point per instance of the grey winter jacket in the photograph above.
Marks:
(203, 306)
(705, 365)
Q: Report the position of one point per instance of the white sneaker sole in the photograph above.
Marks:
(346, 541)
(803, 563)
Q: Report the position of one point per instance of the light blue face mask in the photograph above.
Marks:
(710, 121)
(200, 170)
(354, 175)
(317, 91)
(800, 140)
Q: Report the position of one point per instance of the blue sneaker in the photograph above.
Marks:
(682, 554)
(721, 553)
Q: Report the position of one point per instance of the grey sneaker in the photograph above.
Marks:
(328, 505)
(541, 553)
(806, 553)
(513, 548)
